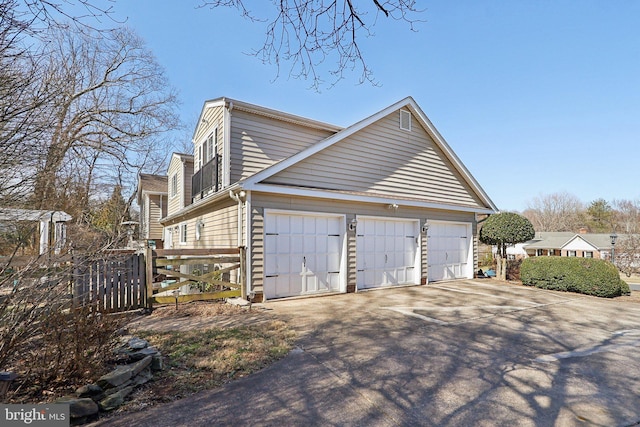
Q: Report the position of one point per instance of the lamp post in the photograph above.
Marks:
(613, 238)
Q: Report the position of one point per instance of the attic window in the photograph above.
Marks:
(405, 120)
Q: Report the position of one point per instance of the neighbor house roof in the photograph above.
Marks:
(558, 240)
(151, 184)
(549, 240)
(598, 240)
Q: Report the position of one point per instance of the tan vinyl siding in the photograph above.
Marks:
(181, 166)
(175, 202)
(211, 118)
(383, 159)
(154, 227)
(187, 182)
(258, 142)
(261, 201)
(220, 229)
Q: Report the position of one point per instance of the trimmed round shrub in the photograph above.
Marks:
(587, 276)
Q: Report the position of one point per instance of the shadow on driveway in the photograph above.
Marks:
(449, 354)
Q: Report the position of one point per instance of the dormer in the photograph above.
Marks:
(233, 140)
(210, 162)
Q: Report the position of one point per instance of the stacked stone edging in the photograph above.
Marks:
(110, 390)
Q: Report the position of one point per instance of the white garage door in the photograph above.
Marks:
(449, 251)
(303, 254)
(386, 252)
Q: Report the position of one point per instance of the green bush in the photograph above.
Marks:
(581, 275)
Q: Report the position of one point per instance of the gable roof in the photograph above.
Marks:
(182, 156)
(151, 184)
(549, 240)
(597, 240)
(232, 104)
(256, 181)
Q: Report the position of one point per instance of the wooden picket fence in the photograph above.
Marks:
(114, 283)
(120, 281)
(212, 265)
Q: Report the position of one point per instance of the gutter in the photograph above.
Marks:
(199, 205)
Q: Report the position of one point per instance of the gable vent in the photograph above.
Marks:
(405, 120)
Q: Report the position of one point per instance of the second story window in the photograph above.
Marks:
(209, 148)
(208, 179)
(174, 185)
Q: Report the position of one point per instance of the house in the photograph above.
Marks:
(152, 199)
(38, 232)
(325, 209)
(582, 244)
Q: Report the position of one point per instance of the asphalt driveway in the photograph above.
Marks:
(465, 353)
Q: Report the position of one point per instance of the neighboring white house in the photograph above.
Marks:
(548, 243)
(49, 226)
(325, 209)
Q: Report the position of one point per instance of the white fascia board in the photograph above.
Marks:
(304, 192)
(207, 104)
(155, 193)
(184, 212)
(579, 237)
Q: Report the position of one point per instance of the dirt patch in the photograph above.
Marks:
(206, 344)
(200, 315)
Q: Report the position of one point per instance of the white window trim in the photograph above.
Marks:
(174, 185)
(184, 237)
(405, 113)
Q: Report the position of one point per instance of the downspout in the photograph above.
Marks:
(239, 198)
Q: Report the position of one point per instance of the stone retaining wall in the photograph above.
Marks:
(110, 390)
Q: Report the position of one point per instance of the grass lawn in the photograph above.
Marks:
(205, 345)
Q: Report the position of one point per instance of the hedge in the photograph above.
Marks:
(570, 274)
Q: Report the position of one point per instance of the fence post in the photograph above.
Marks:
(148, 261)
(242, 273)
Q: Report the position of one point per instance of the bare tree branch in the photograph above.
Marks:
(308, 33)
(111, 104)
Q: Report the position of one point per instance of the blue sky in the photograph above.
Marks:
(535, 96)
